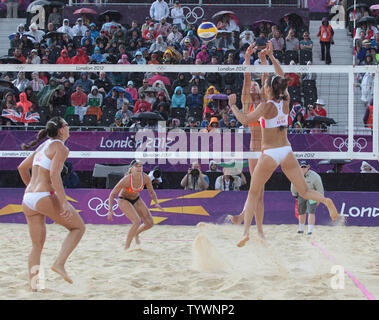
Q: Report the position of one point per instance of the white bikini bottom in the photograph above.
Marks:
(278, 154)
(31, 198)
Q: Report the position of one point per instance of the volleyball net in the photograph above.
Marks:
(342, 134)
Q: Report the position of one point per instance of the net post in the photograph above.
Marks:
(351, 114)
(375, 126)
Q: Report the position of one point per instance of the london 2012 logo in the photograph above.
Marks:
(101, 207)
(342, 144)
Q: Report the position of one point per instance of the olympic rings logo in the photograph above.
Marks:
(340, 144)
(193, 15)
(97, 204)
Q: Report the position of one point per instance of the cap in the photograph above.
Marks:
(130, 83)
(304, 163)
(35, 50)
(191, 120)
(320, 102)
(118, 116)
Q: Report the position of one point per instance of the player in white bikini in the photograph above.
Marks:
(45, 196)
(276, 149)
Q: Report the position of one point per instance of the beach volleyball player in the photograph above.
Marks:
(276, 149)
(251, 98)
(45, 196)
(130, 202)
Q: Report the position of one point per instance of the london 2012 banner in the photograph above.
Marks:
(177, 141)
(182, 207)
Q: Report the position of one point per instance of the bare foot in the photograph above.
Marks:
(243, 241)
(62, 272)
(332, 209)
(235, 219)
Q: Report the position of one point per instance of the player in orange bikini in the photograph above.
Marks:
(130, 202)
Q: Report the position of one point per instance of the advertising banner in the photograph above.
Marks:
(191, 207)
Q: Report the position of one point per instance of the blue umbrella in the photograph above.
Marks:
(121, 89)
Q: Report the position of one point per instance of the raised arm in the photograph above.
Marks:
(277, 67)
(246, 97)
(244, 118)
(262, 57)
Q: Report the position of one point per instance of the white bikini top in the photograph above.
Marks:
(40, 159)
(281, 118)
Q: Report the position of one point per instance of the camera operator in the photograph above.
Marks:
(195, 179)
(155, 176)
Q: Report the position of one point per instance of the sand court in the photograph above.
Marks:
(195, 262)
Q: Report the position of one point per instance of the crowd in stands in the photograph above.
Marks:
(114, 99)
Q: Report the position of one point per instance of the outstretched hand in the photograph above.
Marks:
(232, 99)
(251, 50)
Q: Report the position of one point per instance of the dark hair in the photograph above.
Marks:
(51, 131)
(278, 86)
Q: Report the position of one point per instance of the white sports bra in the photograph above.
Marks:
(281, 118)
(40, 159)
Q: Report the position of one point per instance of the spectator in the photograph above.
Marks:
(70, 179)
(17, 54)
(132, 91)
(203, 55)
(286, 24)
(363, 51)
(139, 59)
(16, 41)
(44, 96)
(367, 87)
(292, 43)
(55, 18)
(181, 81)
(246, 36)
(158, 10)
(145, 85)
(110, 101)
(293, 78)
(97, 56)
(102, 39)
(211, 90)
(103, 83)
(95, 102)
(306, 43)
(326, 34)
(314, 182)
(213, 167)
(369, 115)
(58, 99)
(123, 59)
(319, 109)
(163, 28)
(146, 25)
(84, 82)
(12, 8)
(79, 102)
(142, 100)
(309, 76)
(80, 58)
(225, 42)
(155, 176)
(261, 41)
(153, 59)
(224, 122)
(79, 29)
(229, 182)
(65, 28)
(64, 58)
(178, 98)
(195, 179)
(37, 34)
(160, 77)
(174, 37)
(214, 125)
(194, 99)
(177, 15)
(150, 34)
(158, 45)
(118, 125)
(125, 113)
(21, 82)
(159, 84)
(191, 124)
(32, 97)
(371, 31)
(24, 104)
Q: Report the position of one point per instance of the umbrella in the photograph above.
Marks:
(6, 83)
(52, 34)
(319, 119)
(294, 18)
(219, 14)
(107, 26)
(375, 9)
(85, 11)
(256, 23)
(153, 89)
(147, 116)
(10, 59)
(29, 36)
(217, 96)
(366, 19)
(359, 5)
(113, 15)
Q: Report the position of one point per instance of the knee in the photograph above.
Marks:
(149, 224)
(136, 223)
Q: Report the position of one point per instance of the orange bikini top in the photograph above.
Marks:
(256, 123)
(130, 188)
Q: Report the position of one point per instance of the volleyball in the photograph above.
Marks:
(207, 31)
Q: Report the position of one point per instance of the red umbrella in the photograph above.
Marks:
(85, 11)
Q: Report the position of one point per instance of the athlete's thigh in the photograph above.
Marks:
(143, 211)
(128, 209)
(292, 170)
(36, 224)
(51, 207)
(262, 172)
